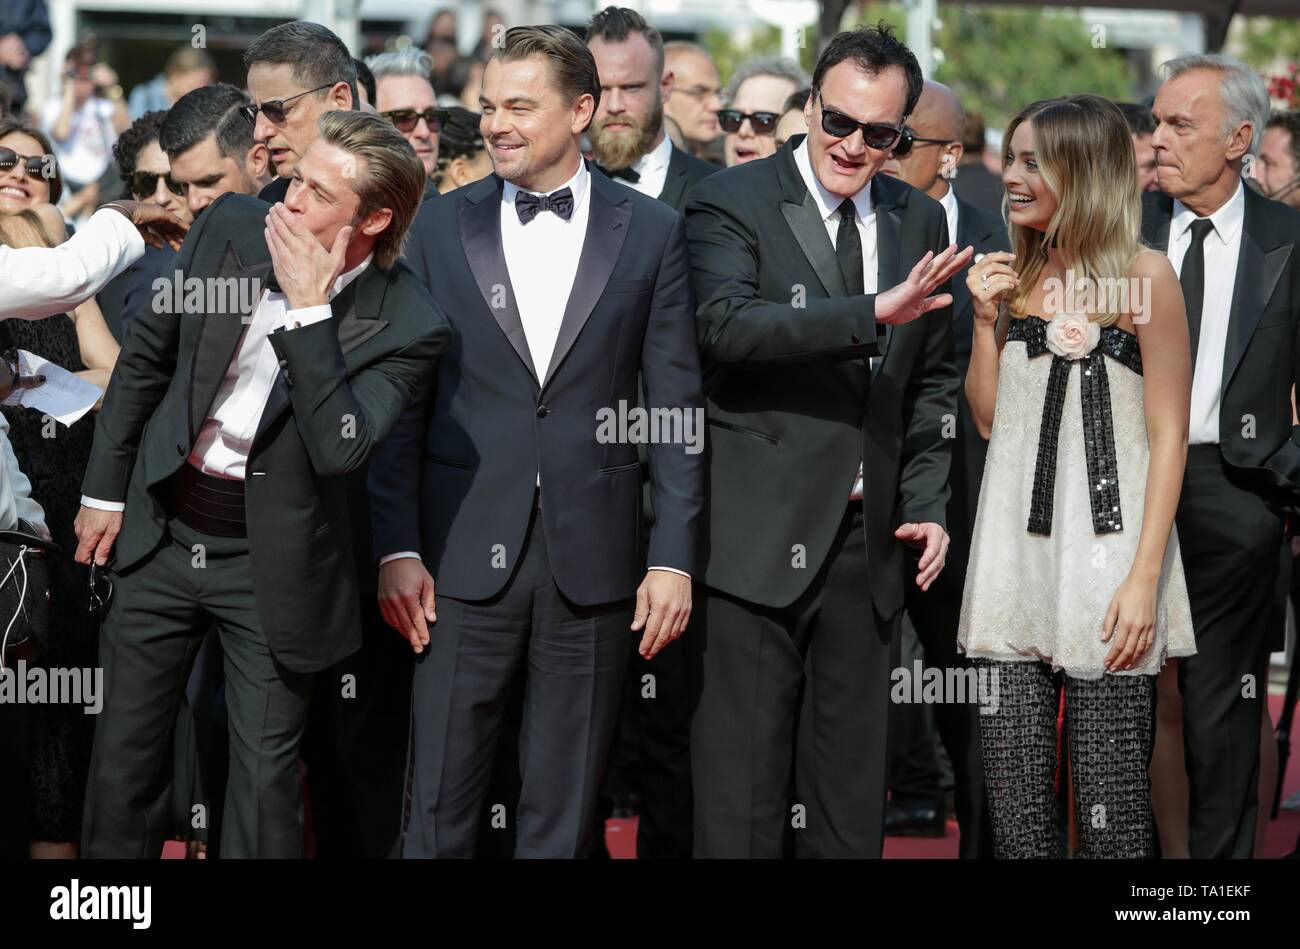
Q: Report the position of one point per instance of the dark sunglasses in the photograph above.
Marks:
(274, 110)
(763, 123)
(34, 165)
(910, 138)
(145, 183)
(874, 134)
(405, 120)
(101, 586)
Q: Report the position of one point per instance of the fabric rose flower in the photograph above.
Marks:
(1072, 335)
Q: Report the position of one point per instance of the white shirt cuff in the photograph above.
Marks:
(306, 316)
(400, 555)
(102, 505)
(682, 573)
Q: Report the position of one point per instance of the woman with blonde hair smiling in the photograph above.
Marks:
(1075, 577)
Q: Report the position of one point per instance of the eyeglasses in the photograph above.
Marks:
(909, 139)
(37, 166)
(698, 92)
(145, 183)
(101, 586)
(275, 110)
(874, 134)
(405, 120)
(763, 123)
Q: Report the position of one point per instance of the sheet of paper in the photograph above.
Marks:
(64, 396)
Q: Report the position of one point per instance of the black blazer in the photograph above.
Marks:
(1261, 361)
(342, 384)
(787, 387)
(456, 481)
(684, 170)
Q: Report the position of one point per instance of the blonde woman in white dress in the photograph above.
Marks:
(1080, 376)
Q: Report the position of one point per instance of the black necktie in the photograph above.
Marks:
(848, 248)
(628, 174)
(529, 205)
(1192, 278)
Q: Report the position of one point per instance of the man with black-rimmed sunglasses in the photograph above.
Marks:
(404, 95)
(808, 268)
(296, 73)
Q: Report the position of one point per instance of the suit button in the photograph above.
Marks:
(543, 411)
(284, 364)
(855, 340)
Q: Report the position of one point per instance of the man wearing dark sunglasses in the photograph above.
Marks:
(755, 96)
(296, 73)
(824, 469)
(404, 96)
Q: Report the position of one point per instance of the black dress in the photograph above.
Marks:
(61, 734)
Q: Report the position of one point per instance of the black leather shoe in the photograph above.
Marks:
(913, 821)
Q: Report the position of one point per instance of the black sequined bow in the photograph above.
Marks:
(1098, 433)
(529, 205)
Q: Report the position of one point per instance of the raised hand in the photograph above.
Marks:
(306, 270)
(912, 297)
(989, 280)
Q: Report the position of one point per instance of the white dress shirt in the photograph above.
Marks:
(36, 282)
(828, 205)
(226, 438)
(1222, 248)
(652, 167)
(16, 490)
(949, 202)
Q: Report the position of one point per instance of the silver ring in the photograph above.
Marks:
(985, 284)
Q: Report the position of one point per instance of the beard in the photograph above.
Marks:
(616, 150)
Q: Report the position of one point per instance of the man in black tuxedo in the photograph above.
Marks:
(936, 148)
(1238, 258)
(296, 73)
(627, 135)
(284, 381)
(808, 266)
(507, 486)
(630, 145)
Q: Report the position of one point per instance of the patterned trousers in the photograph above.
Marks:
(1109, 722)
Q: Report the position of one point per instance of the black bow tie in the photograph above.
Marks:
(529, 205)
(627, 174)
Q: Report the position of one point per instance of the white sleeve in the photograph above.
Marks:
(40, 281)
(16, 491)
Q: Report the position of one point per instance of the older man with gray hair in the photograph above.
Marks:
(755, 98)
(404, 95)
(1236, 255)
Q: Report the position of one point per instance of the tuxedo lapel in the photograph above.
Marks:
(1260, 263)
(219, 334)
(1155, 223)
(608, 222)
(675, 183)
(480, 235)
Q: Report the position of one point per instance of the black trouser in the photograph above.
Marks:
(161, 610)
(15, 781)
(800, 692)
(1229, 541)
(575, 658)
(916, 778)
(356, 743)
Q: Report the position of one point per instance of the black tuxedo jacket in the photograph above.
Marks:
(684, 170)
(986, 233)
(786, 380)
(1261, 361)
(342, 384)
(456, 480)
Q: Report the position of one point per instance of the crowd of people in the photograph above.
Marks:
(369, 552)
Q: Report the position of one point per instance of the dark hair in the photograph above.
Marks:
(973, 141)
(318, 56)
(572, 66)
(1288, 122)
(798, 99)
(16, 123)
(616, 24)
(131, 143)
(872, 49)
(365, 79)
(459, 138)
(453, 82)
(198, 114)
(1140, 120)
